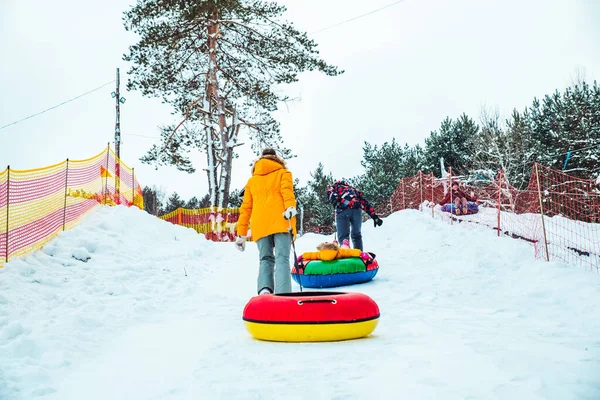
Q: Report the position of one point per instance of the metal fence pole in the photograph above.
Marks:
(66, 185)
(133, 186)
(451, 199)
(403, 195)
(421, 189)
(7, 206)
(432, 200)
(499, 198)
(106, 178)
(537, 174)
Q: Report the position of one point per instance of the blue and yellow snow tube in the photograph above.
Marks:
(340, 272)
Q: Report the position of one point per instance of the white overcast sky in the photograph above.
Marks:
(407, 68)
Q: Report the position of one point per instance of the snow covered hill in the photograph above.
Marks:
(126, 306)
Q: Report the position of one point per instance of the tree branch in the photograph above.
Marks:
(229, 21)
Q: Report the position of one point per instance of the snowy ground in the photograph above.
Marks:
(464, 315)
(567, 239)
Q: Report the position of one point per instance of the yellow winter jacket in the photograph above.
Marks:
(269, 192)
(330, 254)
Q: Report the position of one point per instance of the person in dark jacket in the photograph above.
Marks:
(348, 203)
(458, 197)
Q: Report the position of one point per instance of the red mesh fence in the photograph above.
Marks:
(557, 213)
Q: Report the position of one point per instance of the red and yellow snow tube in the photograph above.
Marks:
(311, 316)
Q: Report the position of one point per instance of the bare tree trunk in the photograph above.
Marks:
(212, 95)
(211, 170)
(225, 159)
(225, 177)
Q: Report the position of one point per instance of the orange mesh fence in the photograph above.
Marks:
(415, 192)
(217, 224)
(36, 204)
(558, 214)
(570, 216)
(120, 185)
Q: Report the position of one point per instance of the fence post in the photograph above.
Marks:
(499, 198)
(132, 186)
(117, 180)
(403, 195)
(421, 188)
(65, 205)
(7, 206)
(432, 200)
(106, 177)
(451, 199)
(537, 174)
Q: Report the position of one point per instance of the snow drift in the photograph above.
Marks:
(126, 306)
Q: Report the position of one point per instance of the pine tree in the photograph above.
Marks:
(153, 200)
(453, 143)
(318, 211)
(566, 122)
(204, 202)
(522, 146)
(192, 203)
(384, 167)
(580, 131)
(173, 203)
(235, 200)
(494, 149)
(413, 160)
(300, 192)
(218, 62)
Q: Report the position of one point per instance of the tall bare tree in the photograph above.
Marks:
(219, 63)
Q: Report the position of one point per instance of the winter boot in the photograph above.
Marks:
(264, 291)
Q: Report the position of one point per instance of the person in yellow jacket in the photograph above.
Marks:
(270, 206)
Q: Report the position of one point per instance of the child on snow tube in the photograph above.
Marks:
(472, 208)
(332, 251)
(461, 200)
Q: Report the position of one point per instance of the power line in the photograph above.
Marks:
(108, 83)
(58, 105)
(357, 17)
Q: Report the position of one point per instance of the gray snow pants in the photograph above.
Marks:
(281, 243)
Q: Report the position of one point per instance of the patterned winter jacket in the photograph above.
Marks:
(342, 196)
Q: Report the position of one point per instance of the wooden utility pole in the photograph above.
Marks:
(118, 101)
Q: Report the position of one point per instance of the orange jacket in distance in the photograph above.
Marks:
(268, 193)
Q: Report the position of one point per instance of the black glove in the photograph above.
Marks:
(377, 221)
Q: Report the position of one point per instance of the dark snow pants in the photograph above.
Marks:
(348, 224)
